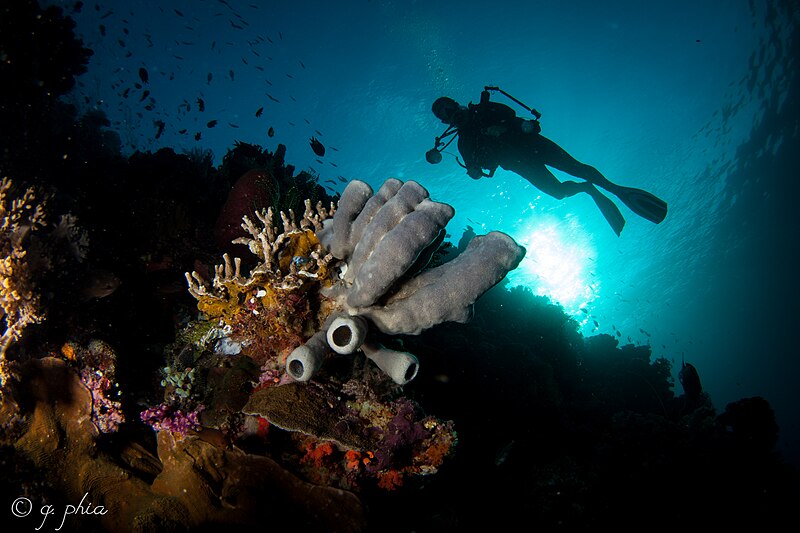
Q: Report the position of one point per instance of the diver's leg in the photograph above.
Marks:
(641, 202)
(545, 181)
(554, 156)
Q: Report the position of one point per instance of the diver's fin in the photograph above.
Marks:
(643, 203)
(609, 209)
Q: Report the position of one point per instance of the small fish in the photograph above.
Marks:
(201, 105)
(259, 112)
(596, 324)
(271, 132)
(178, 12)
(232, 125)
(317, 146)
(211, 123)
(145, 94)
(230, 73)
(143, 75)
(209, 78)
(289, 76)
(302, 65)
(330, 181)
(334, 149)
(198, 136)
(342, 179)
(273, 98)
(160, 125)
(333, 164)
(99, 283)
(102, 30)
(183, 131)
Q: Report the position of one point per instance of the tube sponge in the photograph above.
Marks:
(402, 367)
(379, 238)
(405, 225)
(346, 334)
(306, 359)
(447, 292)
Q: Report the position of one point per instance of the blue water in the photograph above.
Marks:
(689, 100)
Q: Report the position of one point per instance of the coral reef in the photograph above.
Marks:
(192, 482)
(291, 311)
(19, 302)
(381, 240)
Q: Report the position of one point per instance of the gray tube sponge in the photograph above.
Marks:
(306, 359)
(346, 334)
(336, 233)
(405, 225)
(402, 367)
(446, 293)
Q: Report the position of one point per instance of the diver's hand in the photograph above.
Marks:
(475, 173)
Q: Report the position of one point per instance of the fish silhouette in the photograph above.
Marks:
(317, 146)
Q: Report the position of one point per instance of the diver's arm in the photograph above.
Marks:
(468, 149)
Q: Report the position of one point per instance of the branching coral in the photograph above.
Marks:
(288, 260)
(19, 302)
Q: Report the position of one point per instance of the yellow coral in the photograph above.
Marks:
(19, 304)
(289, 261)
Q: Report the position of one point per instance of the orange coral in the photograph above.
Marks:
(390, 479)
(316, 453)
(352, 460)
(69, 352)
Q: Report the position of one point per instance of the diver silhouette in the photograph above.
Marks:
(491, 135)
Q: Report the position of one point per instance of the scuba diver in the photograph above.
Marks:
(490, 134)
